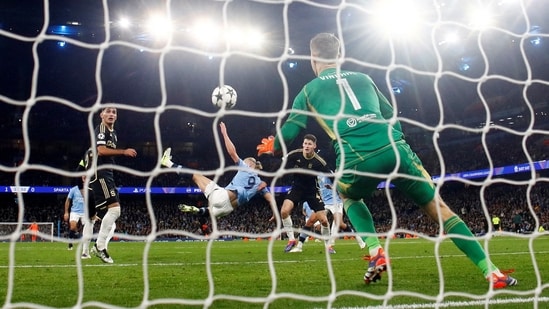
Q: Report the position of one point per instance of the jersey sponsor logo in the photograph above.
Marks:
(352, 122)
(101, 136)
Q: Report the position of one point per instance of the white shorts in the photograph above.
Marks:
(76, 217)
(218, 200)
(334, 208)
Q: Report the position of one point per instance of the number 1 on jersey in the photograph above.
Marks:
(349, 92)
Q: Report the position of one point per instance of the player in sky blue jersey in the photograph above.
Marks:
(334, 204)
(242, 188)
(75, 212)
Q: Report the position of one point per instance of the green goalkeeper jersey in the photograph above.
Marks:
(350, 109)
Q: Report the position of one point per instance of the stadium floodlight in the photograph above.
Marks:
(254, 38)
(205, 32)
(397, 18)
(124, 23)
(244, 37)
(159, 26)
(481, 18)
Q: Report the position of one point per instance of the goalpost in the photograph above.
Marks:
(44, 231)
(465, 77)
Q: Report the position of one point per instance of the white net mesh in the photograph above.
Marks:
(468, 79)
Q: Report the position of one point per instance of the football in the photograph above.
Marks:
(224, 97)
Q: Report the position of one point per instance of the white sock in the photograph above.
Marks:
(360, 242)
(106, 226)
(325, 232)
(87, 233)
(333, 233)
(109, 237)
(373, 251)
(289, 227)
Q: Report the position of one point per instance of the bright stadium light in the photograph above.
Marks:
(235, 36)
(159, 26)
(399, 18)
(254, 38)
(206, 32)
(246, 38)
(124, 23)
(481, 18)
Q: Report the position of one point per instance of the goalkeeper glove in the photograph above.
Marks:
(266, 146)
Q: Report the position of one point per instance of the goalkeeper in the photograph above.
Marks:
(242, 188)
(368, 139)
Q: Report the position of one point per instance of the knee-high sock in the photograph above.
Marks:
(325, 232)
(333, 233)
(87, 233)
(362, 221)
(106, 226)
(109, 237)
(289, 227)
(471, 247)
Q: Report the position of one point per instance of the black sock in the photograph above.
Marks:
(305, 234)
(72, 235)
(204, 211)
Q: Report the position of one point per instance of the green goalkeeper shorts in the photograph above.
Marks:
(380, 166)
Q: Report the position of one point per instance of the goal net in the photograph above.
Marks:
(469, 83)
(29, 232)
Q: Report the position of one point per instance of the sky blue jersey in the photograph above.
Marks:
(327, 194)
(308, 211)
(77, 200)
(245, 183)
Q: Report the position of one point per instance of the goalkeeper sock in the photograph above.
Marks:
(288, 227)
(472, 248)
(106, 226)
(361, 219)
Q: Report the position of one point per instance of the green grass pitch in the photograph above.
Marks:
(258, 274)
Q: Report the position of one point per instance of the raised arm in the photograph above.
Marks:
(231, 149)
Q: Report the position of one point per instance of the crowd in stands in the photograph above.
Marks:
(475, 204)
(455, 151)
